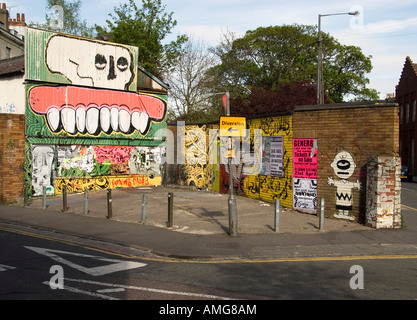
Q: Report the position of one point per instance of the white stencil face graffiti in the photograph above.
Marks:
(344, 166)
(42, 162)
(90, 63)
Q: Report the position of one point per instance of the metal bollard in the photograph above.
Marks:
(277, 213)
(86, 202)
(44, 197)
(170, 210)
(109, 205)
(321, 218)
(25, 195)
(64, 198)
(144, 203)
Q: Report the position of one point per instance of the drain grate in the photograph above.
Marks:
(229, 245)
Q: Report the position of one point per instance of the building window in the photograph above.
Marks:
(8, 52)
(414, 110)
(407, 113)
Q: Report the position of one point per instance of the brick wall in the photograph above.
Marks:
(12, 157)
(363, 131)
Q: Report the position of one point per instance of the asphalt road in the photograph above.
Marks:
(36, 265)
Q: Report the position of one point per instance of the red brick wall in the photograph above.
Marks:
(362, 130)
(12, 157)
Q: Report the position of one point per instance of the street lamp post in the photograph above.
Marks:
(232, 199)
(320, 81)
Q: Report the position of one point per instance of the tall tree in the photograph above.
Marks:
(189, 85)
(64, 16)
(277, 55)
(145, 27)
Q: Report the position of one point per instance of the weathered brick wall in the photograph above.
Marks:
(360, 130)
(383, 193)
(12, 157)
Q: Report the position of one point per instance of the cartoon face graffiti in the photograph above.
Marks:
(91, 63)
(344, 166)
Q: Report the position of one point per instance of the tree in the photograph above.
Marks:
(188, 85)
(265, 101)
(278, 55)
(145, 28)
(64, 16)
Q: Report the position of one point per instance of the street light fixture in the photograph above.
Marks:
(232, 199)
(320, 82)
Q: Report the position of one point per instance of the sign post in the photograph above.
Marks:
(232, 127)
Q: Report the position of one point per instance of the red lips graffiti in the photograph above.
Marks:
(92, 111)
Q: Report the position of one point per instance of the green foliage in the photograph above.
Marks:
(144, 27)
(277, 55)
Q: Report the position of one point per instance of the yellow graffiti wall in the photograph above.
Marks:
(263, 186)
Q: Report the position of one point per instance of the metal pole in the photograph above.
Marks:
(86, 201)
(321, 219)
(232, 199)
(277, 213)
(144, 203)
(64, 198)
(320, 99)
(44, 197)
(170, 210)
(109, 205)
(25, 195)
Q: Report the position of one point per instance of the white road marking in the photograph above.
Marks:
(115, 266)
(179, 293)
(93, 294)
(5, 268)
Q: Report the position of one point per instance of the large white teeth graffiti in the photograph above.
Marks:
(132, 112)
(96, 119)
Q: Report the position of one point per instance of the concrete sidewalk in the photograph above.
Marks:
(195, 212)
(200, 228)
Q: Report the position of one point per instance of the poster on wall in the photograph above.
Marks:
(277, 157)
(273, 156)
(305, 175)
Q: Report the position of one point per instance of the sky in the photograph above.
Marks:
(385, 29)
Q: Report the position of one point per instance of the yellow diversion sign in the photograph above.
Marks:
(233, 127)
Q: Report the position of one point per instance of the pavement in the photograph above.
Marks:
(200, 228)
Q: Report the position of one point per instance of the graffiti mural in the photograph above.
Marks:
(100, 65)
(42, 169)
(66, 59)
(344, 166)
(83, 105)
(79, 111)
(197, 171)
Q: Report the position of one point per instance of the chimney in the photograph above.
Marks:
(4, 17)
(23, 17)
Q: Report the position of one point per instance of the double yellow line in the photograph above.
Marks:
(214, 261)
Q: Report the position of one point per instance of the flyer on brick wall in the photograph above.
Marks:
(305, 175)
(304, 159)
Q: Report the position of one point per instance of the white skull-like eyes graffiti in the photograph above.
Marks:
(91, 63)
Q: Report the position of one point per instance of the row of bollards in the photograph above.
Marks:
(170, 207)
(278, 211)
